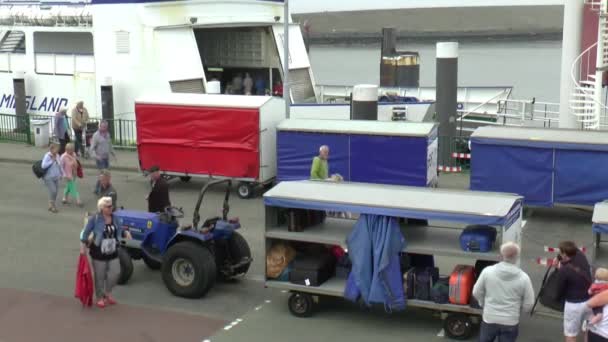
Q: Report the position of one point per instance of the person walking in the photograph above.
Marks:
(69, 165)
(106, 189)
(52, 175)
(101, 146)
(319, 169)
(62, 129)
(158, 199)
(101, 236)
(80, 117)
(503, 291)
(573, 282)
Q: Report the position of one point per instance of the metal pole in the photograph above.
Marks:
(571, 48)
(286, 96)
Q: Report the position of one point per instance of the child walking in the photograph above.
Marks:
(69, 164)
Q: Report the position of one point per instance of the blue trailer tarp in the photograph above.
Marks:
(295, 151)
(519, 170)
(363, 151)
(546, 166)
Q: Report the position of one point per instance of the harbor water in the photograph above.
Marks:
(531, 67)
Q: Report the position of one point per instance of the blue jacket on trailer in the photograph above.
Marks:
(374, 246)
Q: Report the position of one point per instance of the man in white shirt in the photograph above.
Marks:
(503, 291)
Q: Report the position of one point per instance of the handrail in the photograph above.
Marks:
(480, 105)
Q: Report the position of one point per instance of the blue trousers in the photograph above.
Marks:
(498, 332)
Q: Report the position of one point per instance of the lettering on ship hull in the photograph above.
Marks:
(35, 103)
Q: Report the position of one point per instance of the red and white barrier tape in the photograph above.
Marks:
(461, 155)
(556, 250)
(545, 261)
(449, 168)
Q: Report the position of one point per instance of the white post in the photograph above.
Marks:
(571, 49)
(286, 96)
(599, 62)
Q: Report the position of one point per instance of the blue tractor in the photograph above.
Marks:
(190, 257)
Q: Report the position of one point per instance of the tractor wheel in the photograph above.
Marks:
(244, 190)
(458, 326)
(239, 250)
(151, 263)
(189, 270)
(126, 266)
(185, 179)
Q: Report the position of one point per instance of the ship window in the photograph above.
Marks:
(194, 86)
(63, 53)
(12, 51)
(123, 42)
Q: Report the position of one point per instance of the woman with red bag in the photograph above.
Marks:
(70, 164)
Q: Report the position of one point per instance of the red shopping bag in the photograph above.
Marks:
(79, 171)
(84, 282)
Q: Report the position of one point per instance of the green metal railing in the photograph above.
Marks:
(19, 129)
(15, 128)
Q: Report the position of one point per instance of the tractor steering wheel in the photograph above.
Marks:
(174, 212)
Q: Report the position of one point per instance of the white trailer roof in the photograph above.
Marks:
(205, 100)
(564, 136)
(397, 197)
(600, 213)
(392, 128)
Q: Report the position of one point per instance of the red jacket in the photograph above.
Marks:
(84, 282)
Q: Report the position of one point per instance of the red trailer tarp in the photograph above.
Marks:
(199, 140)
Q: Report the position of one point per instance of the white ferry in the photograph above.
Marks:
(69, 49)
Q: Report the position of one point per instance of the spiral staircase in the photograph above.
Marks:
(587, 71)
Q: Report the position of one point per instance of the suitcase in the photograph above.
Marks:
(312, 270)
(478, 238)
(440, 293)
(419, 281)
(299, 219)
(462, 280)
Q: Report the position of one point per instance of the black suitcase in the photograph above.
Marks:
(312, 270)
(300, 219)
(419, 281)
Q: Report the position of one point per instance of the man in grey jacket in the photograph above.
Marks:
(503, 291)
(101, 146)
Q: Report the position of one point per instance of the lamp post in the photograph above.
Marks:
(286, 96)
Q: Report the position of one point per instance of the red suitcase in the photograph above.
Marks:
(462, 280)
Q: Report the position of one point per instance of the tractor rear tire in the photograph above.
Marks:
(239, 249)
(126, 266)
(189, 270)
(152, 264)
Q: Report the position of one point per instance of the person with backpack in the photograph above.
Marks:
(52, 174)
(573, 282)
(503, 291)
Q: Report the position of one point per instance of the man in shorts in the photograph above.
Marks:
(574, 280)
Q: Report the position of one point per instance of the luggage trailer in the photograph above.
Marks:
(600, 226)
(210, 136)
(447, 212)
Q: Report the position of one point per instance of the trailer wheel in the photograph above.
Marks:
(189, 270)
(185, 179)
(126, 266)
(244, 190)
(458, 326)
(301, 304)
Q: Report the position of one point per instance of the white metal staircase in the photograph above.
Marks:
(586, 101)
(13, 41)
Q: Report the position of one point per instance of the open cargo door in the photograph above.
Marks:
(300, 74)
(179, 60)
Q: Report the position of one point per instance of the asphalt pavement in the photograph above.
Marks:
(39, 250)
